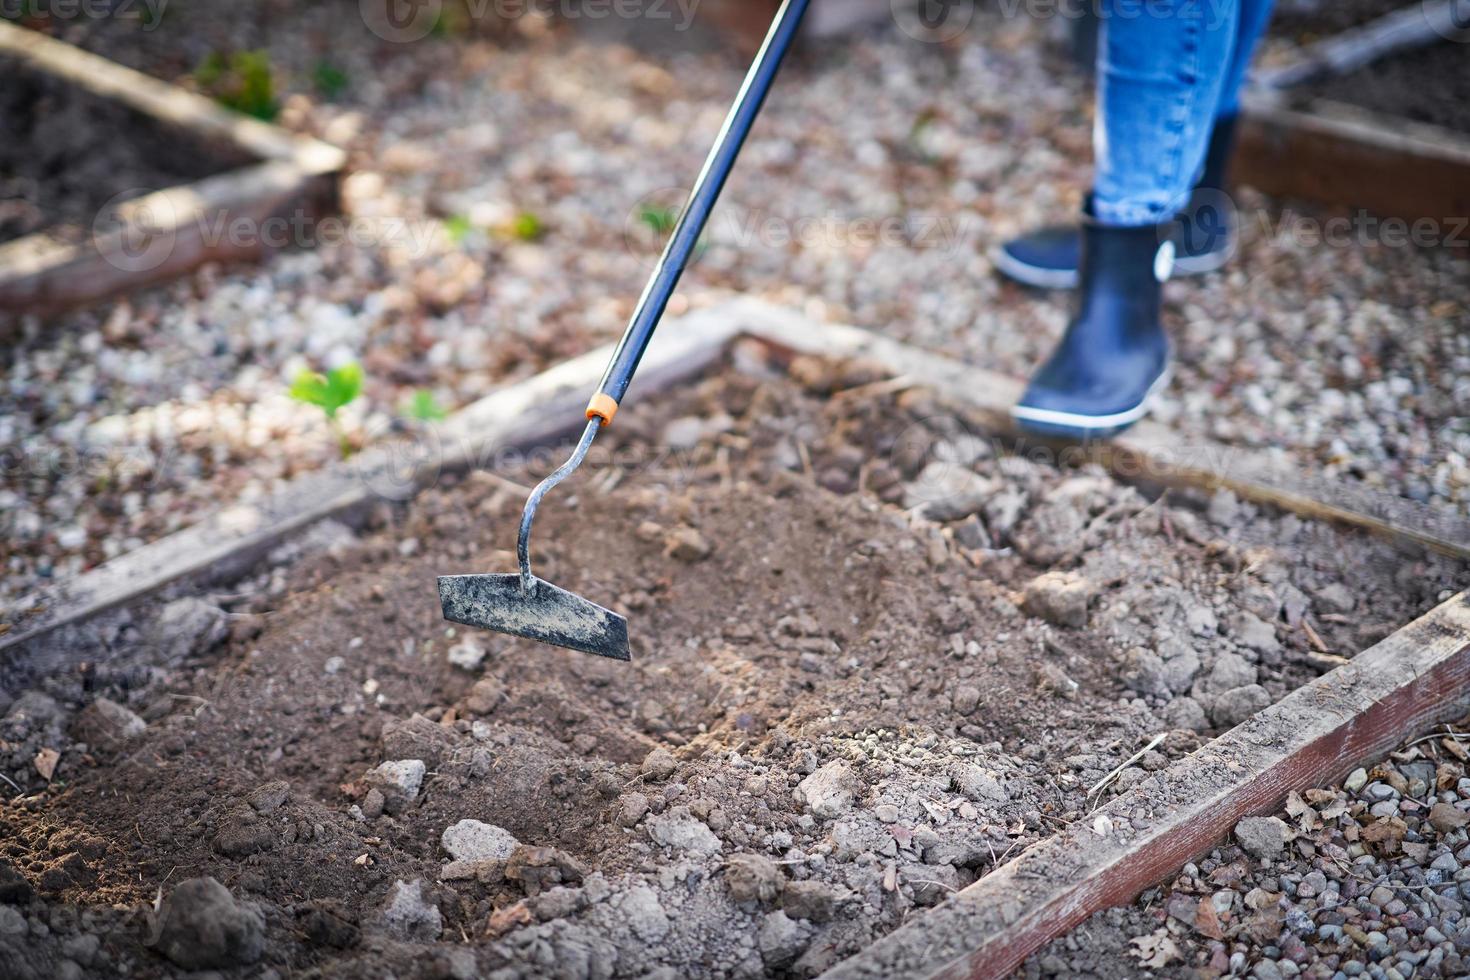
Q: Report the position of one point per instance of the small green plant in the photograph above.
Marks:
(329, 80)
(423, 407)
(527, 227)
(660, 219)
(331, 392)
(458, 227)
(242, 81)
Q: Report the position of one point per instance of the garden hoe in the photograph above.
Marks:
(521, 604)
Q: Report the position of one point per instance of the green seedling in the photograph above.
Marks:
(242, 81)
(458, 227)
(527, 227)
(331, 392)
(423, 407)
(330, 80)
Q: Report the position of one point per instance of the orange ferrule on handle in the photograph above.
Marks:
(602, 406)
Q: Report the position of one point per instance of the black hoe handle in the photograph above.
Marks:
(701, 202)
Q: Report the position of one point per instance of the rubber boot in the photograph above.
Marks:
(1114, 356)
(1204, 239)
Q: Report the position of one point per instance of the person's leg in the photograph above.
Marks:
(1252, 21)
(1206, 230)
(1161, 64)
(1048, 257)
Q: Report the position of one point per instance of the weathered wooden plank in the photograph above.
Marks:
(1416, 678)
(1148, 453)
(520, 416)
(183, 227)
(1343, 155)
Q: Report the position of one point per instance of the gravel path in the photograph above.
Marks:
(1367, 878)
(882, 172)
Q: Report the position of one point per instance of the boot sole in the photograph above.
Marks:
(1041, 277)
(1071, 425)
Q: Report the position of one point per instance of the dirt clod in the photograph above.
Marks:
(811, 900)
(688, 545)
(1059, 597)
(201, 927)
(828, 791)
(185, 627)
(683, 833)
(269, 797)
(753, 878)
(659, 764)
(106, 724)
(1238, 704)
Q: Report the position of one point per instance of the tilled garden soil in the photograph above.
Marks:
(1428, 85)
(875, 655)
(1305, 21)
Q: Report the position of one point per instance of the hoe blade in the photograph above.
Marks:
(544, 613)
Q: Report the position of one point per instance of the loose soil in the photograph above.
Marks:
(1427, 85)
(68, 154)
(875, 654)
(1305, 21)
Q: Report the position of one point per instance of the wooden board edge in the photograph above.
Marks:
(1149, 453)
(1417, 677)
(1351, 157)
(183, 227)
(518, 416)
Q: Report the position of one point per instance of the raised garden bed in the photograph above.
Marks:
(72, 152)
(839, 668)
(164, 181)
(1370, 118)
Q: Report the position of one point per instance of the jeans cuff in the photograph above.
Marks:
(1126, 215)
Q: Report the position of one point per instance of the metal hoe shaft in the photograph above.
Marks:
(523, 605)
(523, 544)
(717, 166)
(681, 245)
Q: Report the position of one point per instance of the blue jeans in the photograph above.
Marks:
(1166, 70)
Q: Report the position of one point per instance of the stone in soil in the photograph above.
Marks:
(471, 840)
(1263, 837)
